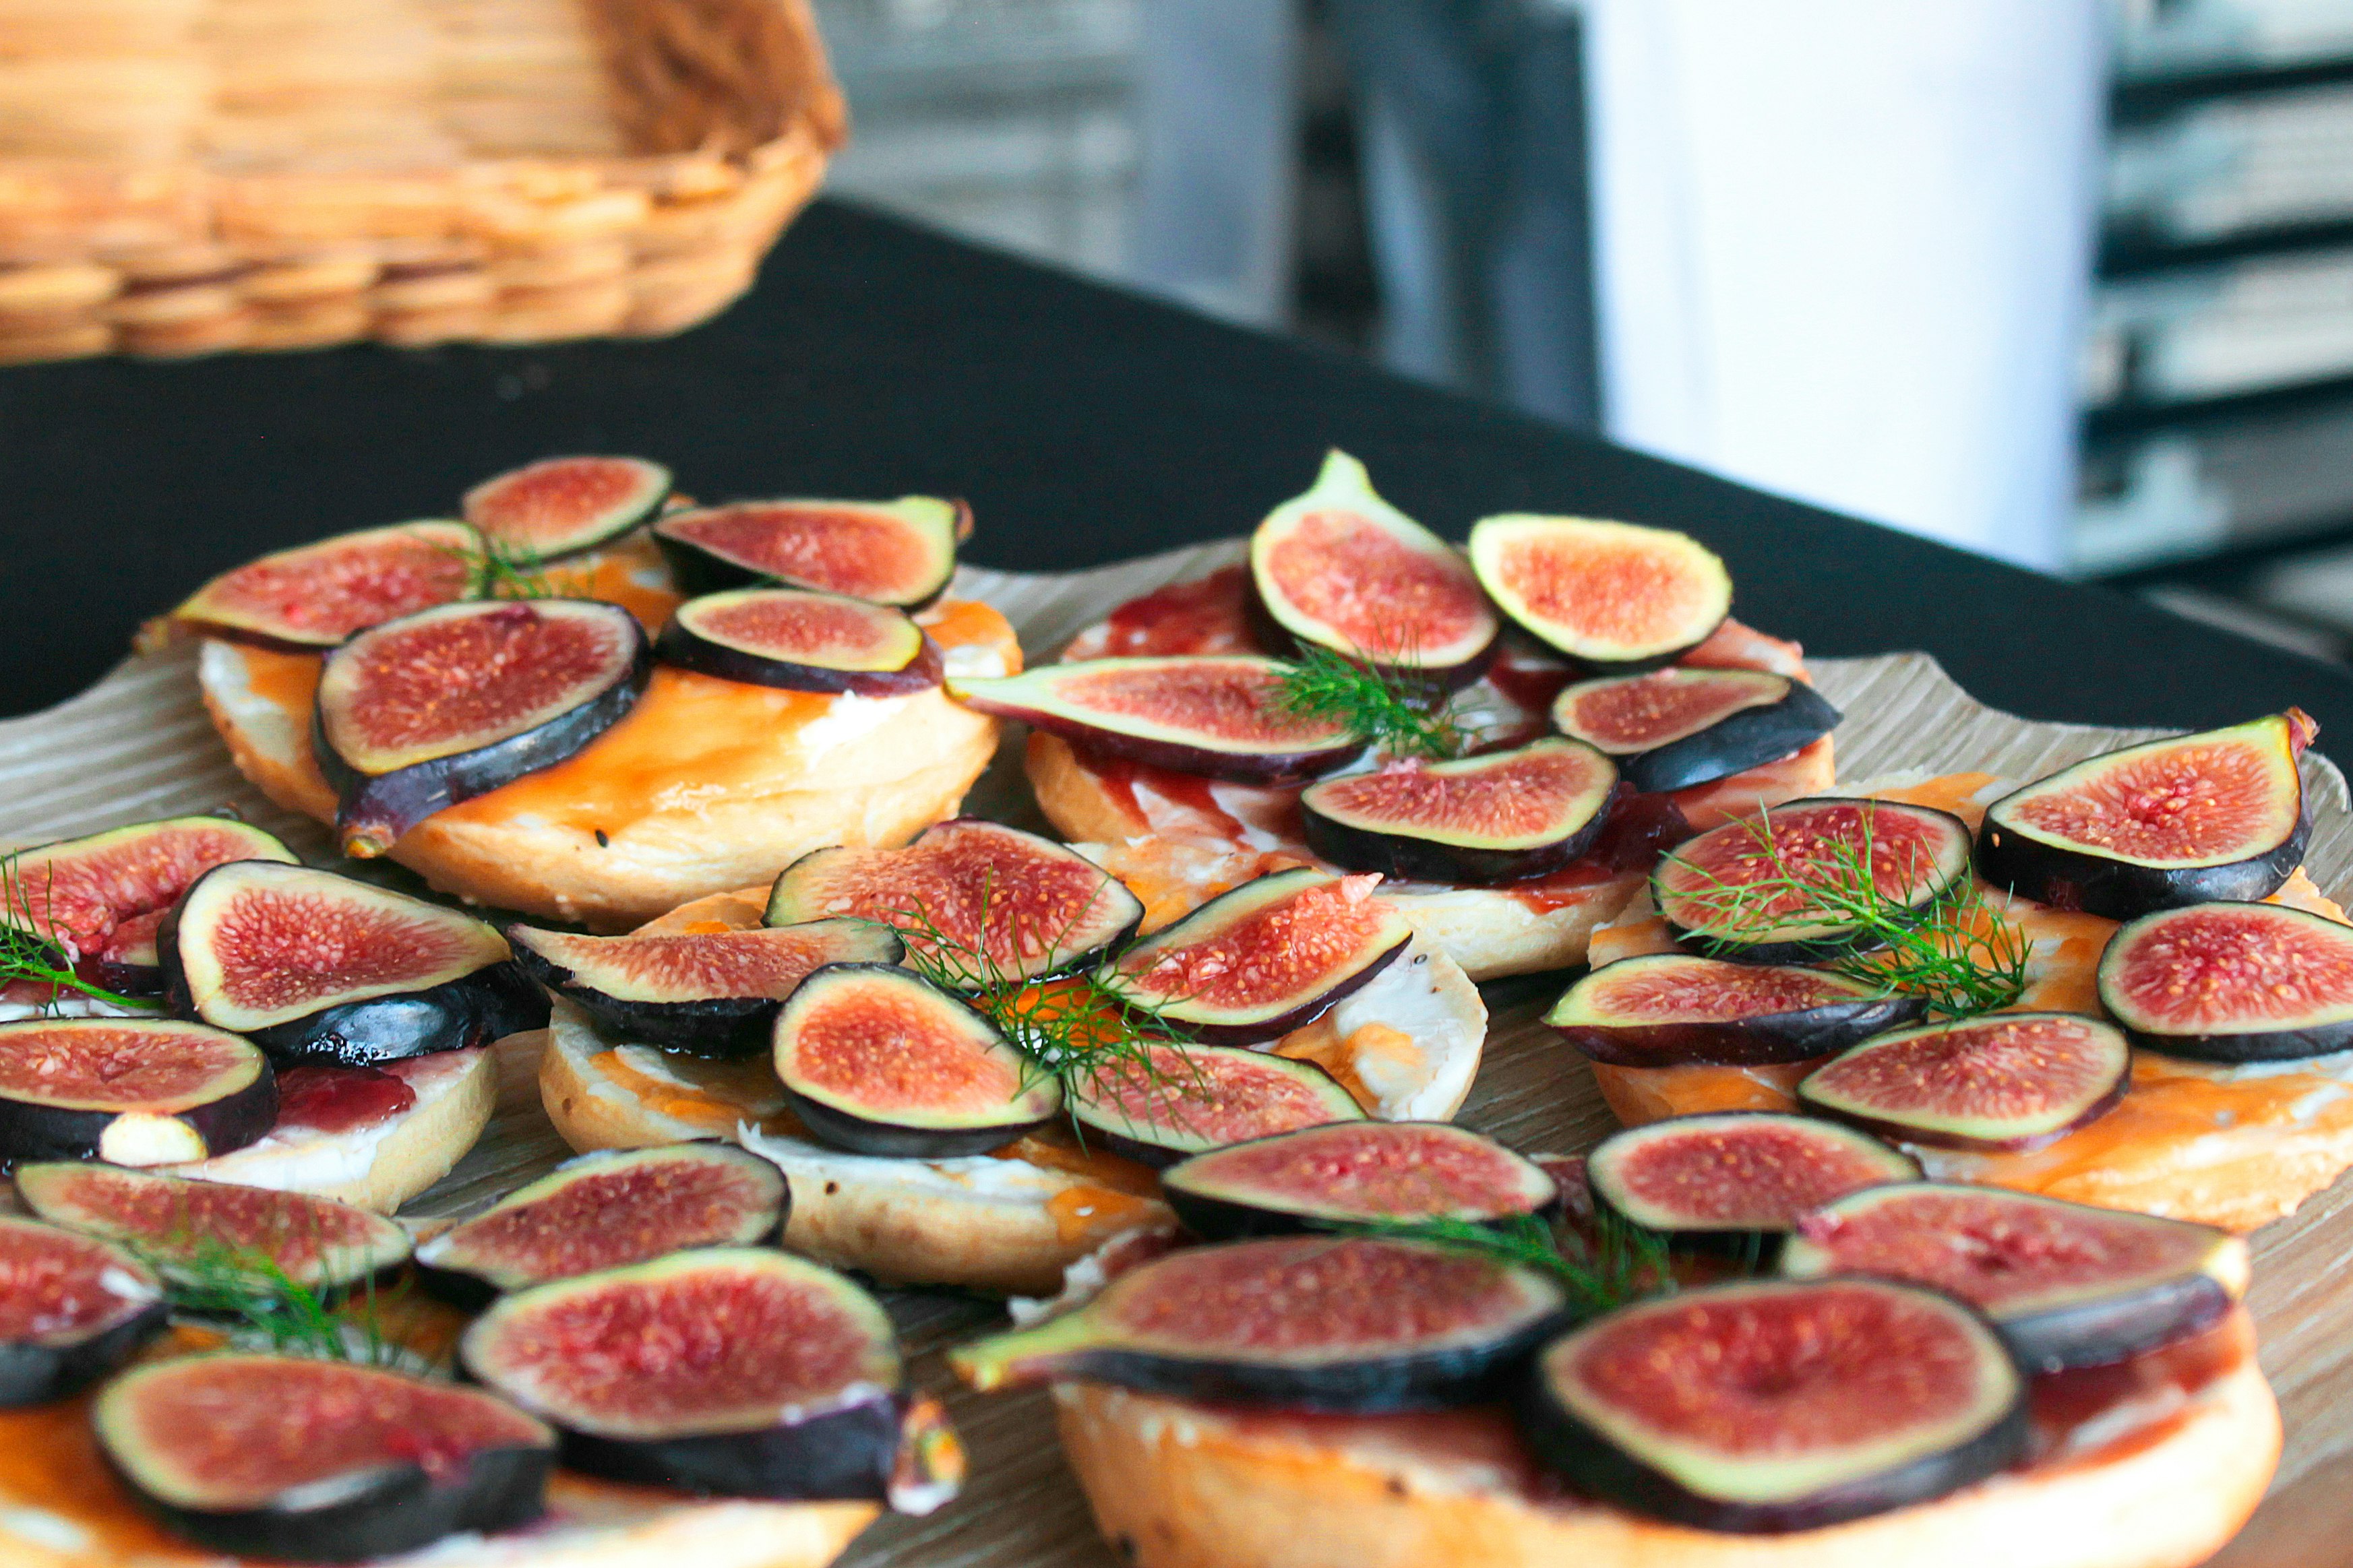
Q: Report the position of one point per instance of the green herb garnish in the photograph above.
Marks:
(266, 1304)
(1619, 1264)
(496, 571)
(25, 955)
(1404, 715)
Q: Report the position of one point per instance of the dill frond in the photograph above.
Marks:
(25, 955)
(1620, 1263)
(266, 1306)
(1404, 715)
(496, 571)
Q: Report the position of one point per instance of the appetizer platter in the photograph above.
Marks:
(606, 1026)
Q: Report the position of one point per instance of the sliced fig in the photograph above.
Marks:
(1671, 1009)
(1353, 1173)
(2232, 983)
(1011, 906)
(1493, 818)
(1612, 595)
(714, 994)
(1303, 1323)
(1218, 715)
(435, 708)
(559, 506)
(880, 1061)
(72, 1309)
(316, 596)
(608, 1210)
(1273, 955)
(800, 641)
(132, 1091)
(1164, 1102)
(746, 1373)
(1740, 890)
(1340, 568)
(898, 552)
(2000, 1081)
(1737, 1178)
(2068, 1285)
(191, 1230)
(1773, 1406)
(312, 966)
(2157, 826)
(97, 899)
(319, 1461)
(1672, 729)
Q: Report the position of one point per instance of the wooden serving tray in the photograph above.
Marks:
(138, 745)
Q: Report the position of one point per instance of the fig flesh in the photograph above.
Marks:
(2068, 1285)
(713, 994)
(316, 596)
(1998, 1081)
(1350, 1324)
(1742, 891)
(1273, 955)
(560, 506)
(1218, 715)
(1737, 1179)
(2232, 983)
(2157, 826)
(604, 1210)
(1673, 1009)
(1672, 729)
(132, 1092)
(1614, 597)
(878, 1060)
(739, 1371)
(800, 641)
(72, 1309)
(319, 1461)
(1166, 1101)
(420, 713)
(898, 552)
(1774, 1406)
(315, 967)
(96, 900)
(977, 902)
(1353, 1173)
(1497, 817)
(1340, 568)
(192, 1230)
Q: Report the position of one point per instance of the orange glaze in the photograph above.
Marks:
(726, 1093)
(1095, 1213)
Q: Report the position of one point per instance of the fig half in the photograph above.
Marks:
(1998, 1081)
(1672, 729)
(713, 994)
(420, 713)
(1611, 595)
(2232, 983)
(1671, 1009)
(1740, 1178)
(316, 596)
(898, 552)
(132, 1091)
(1742, 891)
(877, 1061)
(2068, 1285)
(1775, 1406)
(1340, 568)
(608, 1209)
(1348, 1324)
(1270, 956)
(560, 506)
(72, 1309)
(1218, 715)
(800, 641)
(2157, 826)
(1493, 818)
(319, 1461)
(739, 1371)
(1353, 1173)
(1162, 1102)
(978, 902)
(312, 966)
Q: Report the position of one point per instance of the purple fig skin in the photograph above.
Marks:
(2283, 1041)
(31, 1130)
(1229, 1215)
(1297, 1017)
(1899, 1131)
(1747, 739)
(679, 647)
(62, 1361)
(1360, 846)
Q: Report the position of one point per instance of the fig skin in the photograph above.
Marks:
(30, 1129)
(1233, 1216)
(1365, 845)
(1745, 738)
(52, 1366)
(1760, 1242)
(2321, 1036)
(1796, 1034)
(684, 647)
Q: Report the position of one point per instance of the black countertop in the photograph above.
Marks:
(1083, 424)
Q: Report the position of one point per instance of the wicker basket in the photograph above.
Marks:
(186, 176)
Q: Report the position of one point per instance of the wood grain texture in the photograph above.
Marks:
(138, 745)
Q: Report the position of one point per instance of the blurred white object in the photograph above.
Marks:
(1844, 250)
